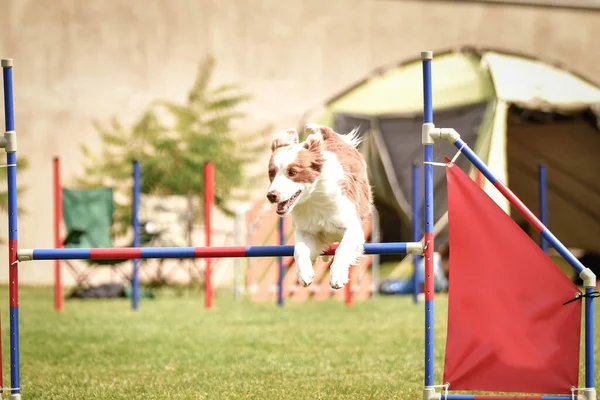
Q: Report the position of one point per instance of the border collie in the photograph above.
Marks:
(323, 183)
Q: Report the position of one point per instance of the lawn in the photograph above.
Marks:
(173, 349)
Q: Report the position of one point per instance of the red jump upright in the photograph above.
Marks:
(209, 201)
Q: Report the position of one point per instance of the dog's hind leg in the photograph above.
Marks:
(306, 251)
(349, 251)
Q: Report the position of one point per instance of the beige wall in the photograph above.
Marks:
(76, 63)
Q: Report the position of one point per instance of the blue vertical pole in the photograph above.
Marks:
(11, 174)
(280, 259)
(543, 203)
(135, 281)
(428, 183)
(416, 205)
(589, 338)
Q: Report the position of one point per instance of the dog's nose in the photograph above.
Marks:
(273, 196)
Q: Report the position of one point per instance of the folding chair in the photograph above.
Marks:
(88, 217)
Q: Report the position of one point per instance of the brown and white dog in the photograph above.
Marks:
(323, 183)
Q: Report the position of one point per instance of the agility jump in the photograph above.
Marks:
(525, 340)
(16, 255)
(466, 373)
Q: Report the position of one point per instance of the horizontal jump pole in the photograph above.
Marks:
(491, 397)
(129, 253)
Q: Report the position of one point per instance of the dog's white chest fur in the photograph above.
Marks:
(326, 212)
(327, 216)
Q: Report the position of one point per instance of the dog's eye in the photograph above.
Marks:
(292, 172)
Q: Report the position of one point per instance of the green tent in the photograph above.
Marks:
(513, 110)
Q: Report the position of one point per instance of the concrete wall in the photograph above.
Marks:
(80, 61)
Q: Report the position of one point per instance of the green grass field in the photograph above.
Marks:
(173, 349)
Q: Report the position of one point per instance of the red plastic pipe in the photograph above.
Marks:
(209, 200)
(58, 288)
(1, 382)
(348, 287)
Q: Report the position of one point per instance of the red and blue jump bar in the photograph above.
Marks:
(198, 252)
(483, 397)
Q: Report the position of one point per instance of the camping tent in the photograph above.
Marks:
(513, 110)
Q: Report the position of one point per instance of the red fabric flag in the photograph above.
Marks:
(508, 330)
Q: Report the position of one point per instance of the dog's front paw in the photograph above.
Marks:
(338, 279)
(305, 276)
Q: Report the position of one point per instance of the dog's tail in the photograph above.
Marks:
(353, 137)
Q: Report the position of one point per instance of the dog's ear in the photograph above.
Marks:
(314, 142)
(315, 145)
(324, 131)
(284, 138)
(311, 128)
